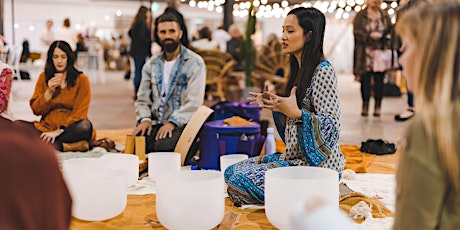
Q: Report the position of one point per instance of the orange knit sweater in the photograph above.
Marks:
(67, 105)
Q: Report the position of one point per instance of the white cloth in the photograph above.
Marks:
(68, 35)
(205, 44)
(46, 38)
(221, 37)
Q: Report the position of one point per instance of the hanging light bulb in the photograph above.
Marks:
(384, 5)
(284, 3)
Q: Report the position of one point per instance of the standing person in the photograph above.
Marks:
(81, 47)
(233, 46)
(173, 8)
(410, 111)
(141, 43)
(221, 37)
(46, 38)
(428, 177)
(66, 33)
(34, 194)
(172, 89)
(61, 97)
(371, 29)
(307, 117)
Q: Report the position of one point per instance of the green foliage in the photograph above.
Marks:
(248, 52)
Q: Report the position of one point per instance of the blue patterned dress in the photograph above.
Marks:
(311, 140)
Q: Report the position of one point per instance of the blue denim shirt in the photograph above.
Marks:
(185, 93)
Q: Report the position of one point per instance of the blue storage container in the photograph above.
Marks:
(245, 110)
(217, 139)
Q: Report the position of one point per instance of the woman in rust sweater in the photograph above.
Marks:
(62, 96)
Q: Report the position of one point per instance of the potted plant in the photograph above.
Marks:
(248, 52)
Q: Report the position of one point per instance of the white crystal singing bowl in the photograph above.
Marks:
(227, 160)
(161, 163)
(190, 199)
(287, 186)
(98, 193)
(126, 163)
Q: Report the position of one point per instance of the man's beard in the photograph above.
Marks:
(169, 47)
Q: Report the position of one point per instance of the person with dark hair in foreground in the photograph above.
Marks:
(33, 193)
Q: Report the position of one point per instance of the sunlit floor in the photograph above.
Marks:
(112, 107)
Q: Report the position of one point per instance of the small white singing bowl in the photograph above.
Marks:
(127, 163)
(162, 163)
(98, 193)
(190, 199)
(287, 186)
(227, 160)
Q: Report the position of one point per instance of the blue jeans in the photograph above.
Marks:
(139, 62)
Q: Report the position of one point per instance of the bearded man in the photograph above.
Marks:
(171, 89)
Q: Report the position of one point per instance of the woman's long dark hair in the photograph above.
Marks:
(140, 17)
(71, 72)
(310, 19)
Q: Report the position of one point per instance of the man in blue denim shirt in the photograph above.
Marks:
(171, 90)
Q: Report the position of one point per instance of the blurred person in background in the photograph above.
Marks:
(221, 36)
(141, 44)
(46, 38)
(66, 33)
(205, 41)
(371, 29)
(233, 46)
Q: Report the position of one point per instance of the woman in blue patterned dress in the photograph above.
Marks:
(307, 117)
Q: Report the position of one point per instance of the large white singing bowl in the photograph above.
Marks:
(162, 163)
(98, 193)
(227, 160)
(126, 163)
(287, 186)
(190, 200)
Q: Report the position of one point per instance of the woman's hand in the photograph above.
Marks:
(286, 105)
(50, 137)
(56, 81)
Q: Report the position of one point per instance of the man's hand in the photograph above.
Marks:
(143, 127)
(50, 137)
(165, 130)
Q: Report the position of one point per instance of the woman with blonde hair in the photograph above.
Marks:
(428, 178)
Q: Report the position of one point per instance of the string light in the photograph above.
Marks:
(341, 9)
